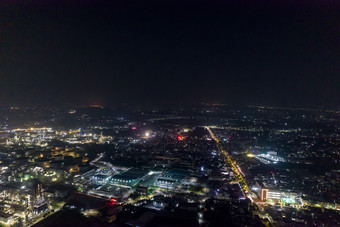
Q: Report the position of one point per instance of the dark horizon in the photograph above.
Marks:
(281, 53)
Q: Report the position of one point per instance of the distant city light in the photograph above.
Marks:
(96, 106)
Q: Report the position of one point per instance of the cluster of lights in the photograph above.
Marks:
(179, 137)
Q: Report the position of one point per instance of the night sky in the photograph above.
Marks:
(274, 53)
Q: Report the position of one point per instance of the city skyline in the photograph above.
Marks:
(208, 165)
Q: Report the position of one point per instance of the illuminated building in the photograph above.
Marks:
(264, 193)
(261, 190)
(37, 192)
(39, 202)
(273, 195)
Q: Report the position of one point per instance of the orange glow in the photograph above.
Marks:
(97, 106)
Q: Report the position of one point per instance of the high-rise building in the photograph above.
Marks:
(39, 202)
(37, 193)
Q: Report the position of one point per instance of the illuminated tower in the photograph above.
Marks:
(101, 138)
(37, 193)
(39, 202)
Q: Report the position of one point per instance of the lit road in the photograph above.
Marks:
(101, 155)
(96, 162)
(242, 182)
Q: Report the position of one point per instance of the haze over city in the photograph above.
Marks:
(169, 113)
(278, 53)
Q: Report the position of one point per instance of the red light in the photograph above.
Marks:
(134, 128)
(180, 137)
(271, 171)
(112, 201)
